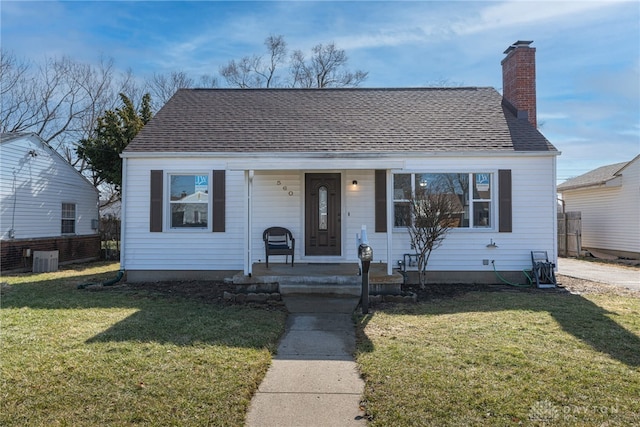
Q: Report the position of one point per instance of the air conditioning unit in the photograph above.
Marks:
(45, 261)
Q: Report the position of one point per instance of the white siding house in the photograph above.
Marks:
(260, 199)
(325, 163)
(609, 201)
(44, 202)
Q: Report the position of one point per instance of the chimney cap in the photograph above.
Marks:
(519, 43)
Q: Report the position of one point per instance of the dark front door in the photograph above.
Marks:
(322, 214)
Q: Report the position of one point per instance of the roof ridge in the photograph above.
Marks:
(338, 89)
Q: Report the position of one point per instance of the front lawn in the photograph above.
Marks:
(146, 356)
(126, 357)
(491, 358)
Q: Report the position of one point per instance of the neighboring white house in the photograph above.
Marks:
(45, 203)
(323, 163)
(609, 201)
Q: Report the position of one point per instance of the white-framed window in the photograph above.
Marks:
(189, 200)
(68, 225)
(472, 209)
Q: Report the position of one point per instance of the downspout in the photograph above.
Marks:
(123, 213)
(555, 214)
(12, 231)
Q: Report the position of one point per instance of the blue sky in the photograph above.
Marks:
(588, 52)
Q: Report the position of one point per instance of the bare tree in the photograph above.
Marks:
(326, 68)
(12, 81)
(443, 83)
(432, 212)
(59, 100)
(277, 50)
(207, 81)
(255, 70)
(241, 73)
(163, 86)
(62, 99)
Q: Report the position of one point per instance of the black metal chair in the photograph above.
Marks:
(279, 241)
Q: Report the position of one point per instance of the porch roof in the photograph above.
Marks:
(452, 120)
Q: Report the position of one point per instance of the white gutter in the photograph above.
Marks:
(333, 154)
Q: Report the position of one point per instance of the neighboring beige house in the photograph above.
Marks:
(609, 200)
(216, 167)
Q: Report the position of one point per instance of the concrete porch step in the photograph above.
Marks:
(319, 288)
(321, 279)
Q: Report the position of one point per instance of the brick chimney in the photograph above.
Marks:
(519, 79)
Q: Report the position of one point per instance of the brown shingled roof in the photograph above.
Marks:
(337, 120)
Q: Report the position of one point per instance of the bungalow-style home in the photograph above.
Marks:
(46, 205)
(216, 167)
(609, 201)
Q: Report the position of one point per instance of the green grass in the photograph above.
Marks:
(503, 359)
(74, 357)
(117, 357)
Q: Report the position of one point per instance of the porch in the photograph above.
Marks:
(318, 278)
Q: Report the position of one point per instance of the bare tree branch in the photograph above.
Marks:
(59, 100)
(240, 73)
(163, 86)
(255, 71)
(277, 48)
(327, 67)
(431, 215)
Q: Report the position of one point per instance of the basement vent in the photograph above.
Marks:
(45, 261)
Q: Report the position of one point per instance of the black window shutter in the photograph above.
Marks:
(155, 214)
(218, 200)
(505, 222)
(381, 200)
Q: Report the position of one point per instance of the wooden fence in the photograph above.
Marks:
(569, 234)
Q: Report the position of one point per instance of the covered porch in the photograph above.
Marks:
(324, 201)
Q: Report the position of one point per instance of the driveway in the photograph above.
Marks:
(626, 277)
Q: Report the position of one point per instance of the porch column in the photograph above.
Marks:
(248, 265)
(389, 223)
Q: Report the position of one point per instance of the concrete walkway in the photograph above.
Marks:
(598, 272)
(313, 380)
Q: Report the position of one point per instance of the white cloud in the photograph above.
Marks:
(382, 38)
(552, 116)
(522, 13)
(432, 22)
